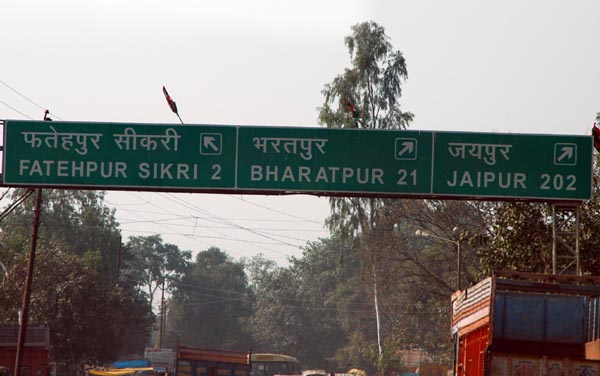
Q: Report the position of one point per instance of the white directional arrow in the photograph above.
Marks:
(209, 141)
(407, 147)
(566, 152)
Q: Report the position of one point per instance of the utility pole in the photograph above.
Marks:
(29, 278)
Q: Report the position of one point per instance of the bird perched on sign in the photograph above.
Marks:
(46, 116)
(171, 103)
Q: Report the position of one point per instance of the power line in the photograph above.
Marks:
(268, 234)
(222, 220)
(233, 224)
(27, 99)
(15, 204)
(165, 226)
(208, 219)
(196, 238)
(275, 210)
(15, 110)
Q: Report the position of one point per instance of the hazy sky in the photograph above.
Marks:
(489, 66)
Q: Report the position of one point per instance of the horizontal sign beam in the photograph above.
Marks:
(254, 159)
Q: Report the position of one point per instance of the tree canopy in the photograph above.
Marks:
(211, 303)
(367, 94)
(74, 290)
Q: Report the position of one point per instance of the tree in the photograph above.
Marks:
(336, 307)
(364, 96)
(521, 235)
(417, 274)
(210, 304)
(75, 221)
(315, 308)
(275, 322)
(91, 319)
(522, 238)
(88, 323)
(155, 265)
(335, 301)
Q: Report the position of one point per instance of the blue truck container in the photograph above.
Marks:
(527, 324)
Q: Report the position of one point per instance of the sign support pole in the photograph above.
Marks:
(565, 239)
(28, 280)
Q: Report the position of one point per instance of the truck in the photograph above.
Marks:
(196, 361)
(36, 353)
(527, 324)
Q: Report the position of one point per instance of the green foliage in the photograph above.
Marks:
(416, 275)
(365, 96)
(320, 292)
(315, 309)
(74, 289)
(276, 321)
(88, 323)
(387, 361)
(209, 305)
(153, 265)
(522, 238)
(372, 85)
(75, 221)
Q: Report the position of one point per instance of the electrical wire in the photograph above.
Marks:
(15, 204)
(233, 224)
(222, 220)
(274, 238)
(274, 210)
(15, 110)
(27, 99)
(195, 238)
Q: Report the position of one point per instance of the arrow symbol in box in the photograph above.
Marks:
(565, 154)
(406, 149)
(210, 143)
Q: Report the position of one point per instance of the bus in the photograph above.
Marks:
(274, 364)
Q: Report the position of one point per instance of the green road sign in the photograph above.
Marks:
(336, 160)
(119, 155)
(252, 159)
(512, 165)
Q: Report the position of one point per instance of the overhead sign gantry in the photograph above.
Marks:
(265, 159)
